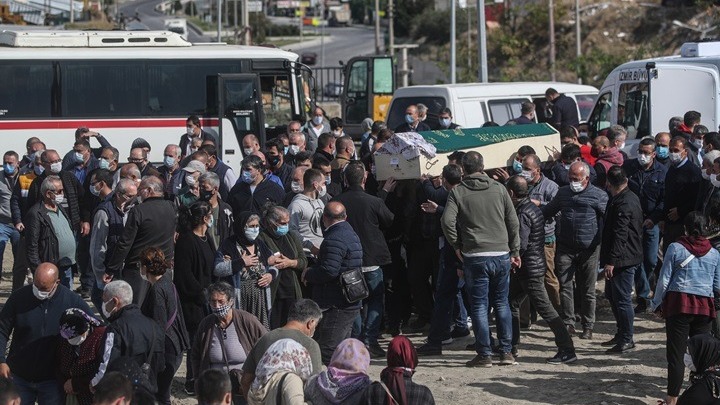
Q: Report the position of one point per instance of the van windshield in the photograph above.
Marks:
(397, 111)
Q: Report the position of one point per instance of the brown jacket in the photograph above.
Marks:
(248, 328)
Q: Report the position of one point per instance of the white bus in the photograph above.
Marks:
(126, 85)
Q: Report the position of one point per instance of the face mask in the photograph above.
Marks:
(41, 295)
(285, 150)
(663, 152)
(212, 222)
(103, 163)
(687, 359)
(622, 146)
(169, 161)
(576, 186)
(644, 159)
(675, 158)
(190, 181)
(698, 143)
(445, 122)
(77, 340)
(373, 169)
(714, 180)
(322, 191)
(328, 180)
(704, 175)
(409, 119)
(222, 311)
(517, 166)
(247, 177)
(317, 120)
(282, 230)
(193, 150)
(273, 160)
(94, 191)
(143, 275)
(248, 151)
(59, 199)
(30, 157)
(566, 166)
(293, 149)
(252, 233)
(105, 311)
(206, 195)
(296, 187)
(527, 175)
(55, 167)
(79, 158)
(9, 169)
(337, 134)
(190, 132)
(39, 170)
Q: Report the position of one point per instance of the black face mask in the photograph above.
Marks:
(273, 160)
(206, 195)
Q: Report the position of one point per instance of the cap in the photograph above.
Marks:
(377, 126)
(195, 166)
(141, 143)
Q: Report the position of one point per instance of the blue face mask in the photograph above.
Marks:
(247, 176)
(409, 119)
(445, 122)
(517, 166)
(663, 152)
(212, 222)
(252, 233)
(9, 169)
(103, 163)
(285, 150)
(328, 180)
(39, 170)
(282, 230)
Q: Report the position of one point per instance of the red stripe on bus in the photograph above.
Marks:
(178, 123)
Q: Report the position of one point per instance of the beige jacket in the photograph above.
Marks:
(291, 394)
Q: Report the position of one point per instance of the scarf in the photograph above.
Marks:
(402, 359)
(285, 355)
(347, 372)
(697, 245)
(705, 352)
(74, 322)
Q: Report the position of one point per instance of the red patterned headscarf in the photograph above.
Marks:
(402, 359)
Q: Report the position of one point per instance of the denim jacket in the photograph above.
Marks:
(701, 276)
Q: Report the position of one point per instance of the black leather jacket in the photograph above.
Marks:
(532, 239)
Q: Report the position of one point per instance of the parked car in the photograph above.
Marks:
(333, 89)
(308, 58)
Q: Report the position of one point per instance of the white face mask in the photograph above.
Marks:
(322, 191)
(248, 151)
(687, 359)
(675, 158)
(190, 132)
(576, 186)
(56, 167)
(293, 149)
(644, 159)
(714, 180)
(317, 120)
(527, 175)
(622, 146)
(704, 174)
(77, 340)
(59, 198)
(190, 180)
(296, 187)
(105, 311)
(41, 295)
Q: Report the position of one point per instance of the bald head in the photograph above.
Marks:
(46, 277)
(261, 156)
(250, 144)
(333, 213)
(130, 171)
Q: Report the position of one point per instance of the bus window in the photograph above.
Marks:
(102, 89)
(502, 111)
(276, 101)
(26, 90)
(600, 116)
(633, 109)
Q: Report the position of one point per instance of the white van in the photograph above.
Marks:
(670, 86)
(474, 104)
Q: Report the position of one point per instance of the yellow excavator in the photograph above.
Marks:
(6, 17)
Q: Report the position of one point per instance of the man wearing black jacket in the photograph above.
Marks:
(254, 189)
(621, 254)
(682, 185)
(368, 216)
(412, 122)
(31, 315)
(564, 109)
(151, 223)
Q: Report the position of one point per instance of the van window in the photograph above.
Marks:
(633, 109)
(474, 112)
(502, 111)
(396, 116)
(585, 103)
(543, 111)
(600, 116)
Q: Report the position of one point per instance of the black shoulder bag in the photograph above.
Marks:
(353, 285)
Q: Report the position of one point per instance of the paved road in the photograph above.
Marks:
(153, 19)
(341, 44)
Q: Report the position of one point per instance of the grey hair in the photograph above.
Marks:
(153, 183)
(49, 184)
(178, 149)
(711, 156)
(585, 167)
(123, 185)
(210, 178)
(273, 214)
(121, 290)
(134, 171)
(220, 287)
(421, 108)
(304, 310)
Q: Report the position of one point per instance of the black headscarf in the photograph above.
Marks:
(239, 228)
(705, 352)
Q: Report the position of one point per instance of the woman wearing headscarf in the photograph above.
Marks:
(281, 374)
(162, 304)
(688, 281)
(289, 260)
(402, 359)
(79, 353)
(194, 259)
(703, 360)
(244, 262)
(346, 380)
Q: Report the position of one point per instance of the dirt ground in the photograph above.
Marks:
(634, 378)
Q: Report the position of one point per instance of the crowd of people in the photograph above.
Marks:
(245, 275)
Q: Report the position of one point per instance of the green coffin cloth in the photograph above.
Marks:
(467, 138)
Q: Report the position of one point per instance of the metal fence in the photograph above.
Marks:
(328, 83)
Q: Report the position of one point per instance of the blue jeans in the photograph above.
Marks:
(373, 309)
(66, 276)
(448, 303)
(8, 232)
(487, 282)
(651, 245)
(619, 293)
(44, 392)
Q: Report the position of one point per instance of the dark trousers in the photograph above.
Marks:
(449, 307)
(397, 289)
(534, 289)
(139, 286)
(582, 265)
(423, 261)
(279, 312)
(618, 291)
(678, 328)
(85, 273)
(165, 377)
(20, 264)
(334, 327)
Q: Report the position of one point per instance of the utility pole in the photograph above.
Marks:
(322, 34)
(377, 27)
(300, 17)
(391, 28)
(482, 43)
(404, 66)
(453, 48)
(578, 48)
(245, 21)
(235, 14)
(219, 20)
(552, 40)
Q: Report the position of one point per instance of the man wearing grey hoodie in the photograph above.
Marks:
(481, 224)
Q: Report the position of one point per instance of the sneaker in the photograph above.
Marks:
(610, 343)
(480, 361)
(507, 359)
(470, 347)
(642, 306)
(190, 387)
(563, 358)
(418, 325)
(458, 333)
(620, 348)
(571, 329)
(586, 334)
(429, 349)
(515, 352)
(376, 352)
